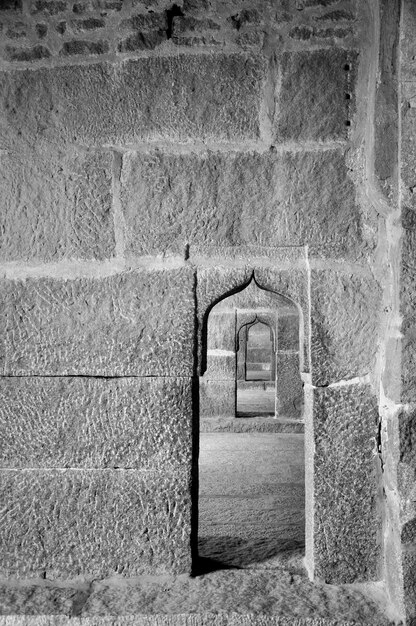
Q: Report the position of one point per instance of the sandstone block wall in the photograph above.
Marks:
(153, 156)
(406, 457)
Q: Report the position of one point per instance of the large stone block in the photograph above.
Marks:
(386, 115)
(292, 199)
(407, 41)
(347, 523)
(142, 423)
(313, 103)
(55, 203)
(408, 305)
(408, 151)
(137, 323)
(409, 582)
(180, 97)
(345, 310)
(99, 522)
(407, 436)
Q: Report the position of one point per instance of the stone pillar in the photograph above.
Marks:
(218, 385)
(289, 386)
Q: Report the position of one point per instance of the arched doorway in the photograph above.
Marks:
(251, 466)
(256, 359)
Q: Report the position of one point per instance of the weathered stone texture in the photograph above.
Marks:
(386, 121)
(55, 204)
(409, 581)
(140, 423)
(344, 325)
(407, 40)
(408, 305)
(178, 98)
(217, 398)
(240, 199)
(26, 55)
(136, 323)
(407, 433)
(347, 518)
(312, 103)
(221, 367)
(288, 332)
(221, 329)
(289, 386)
(71, 522)
(408, 156)
(83, 47)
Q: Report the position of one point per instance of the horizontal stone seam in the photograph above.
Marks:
(73, 270)
(357, 269)
(175, 469)
(100, 377)
(170, 147)
(85, 269)
(161, 52)
(98, 270)
(118, 59)
(74, 583)
(359, 380)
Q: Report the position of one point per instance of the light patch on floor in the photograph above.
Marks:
(251, 498)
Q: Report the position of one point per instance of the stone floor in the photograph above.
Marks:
(252, 498)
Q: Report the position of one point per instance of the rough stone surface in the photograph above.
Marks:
(407, 433)
(289, 387)
(409, 579)
(288, 332)
(55, 204)
(221, 598)
(179, 97)
(221, 367)
(221, 329)
(138, 423)
(344, 325)
(84, 47)
(27, 54)
(347, 545)
(312, 103)
(217, 398)
(94, 522)
(136, 323)
(240, 199)
(408, 305)
(386, 121)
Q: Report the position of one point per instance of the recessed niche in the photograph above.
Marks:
(251, 460)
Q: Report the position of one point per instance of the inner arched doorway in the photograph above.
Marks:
(256, 369)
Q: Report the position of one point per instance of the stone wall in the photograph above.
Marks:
(406, 456)
(153, 156)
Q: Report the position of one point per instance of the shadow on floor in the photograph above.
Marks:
(224, 552)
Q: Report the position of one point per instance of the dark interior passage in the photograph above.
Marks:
(251, 499)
